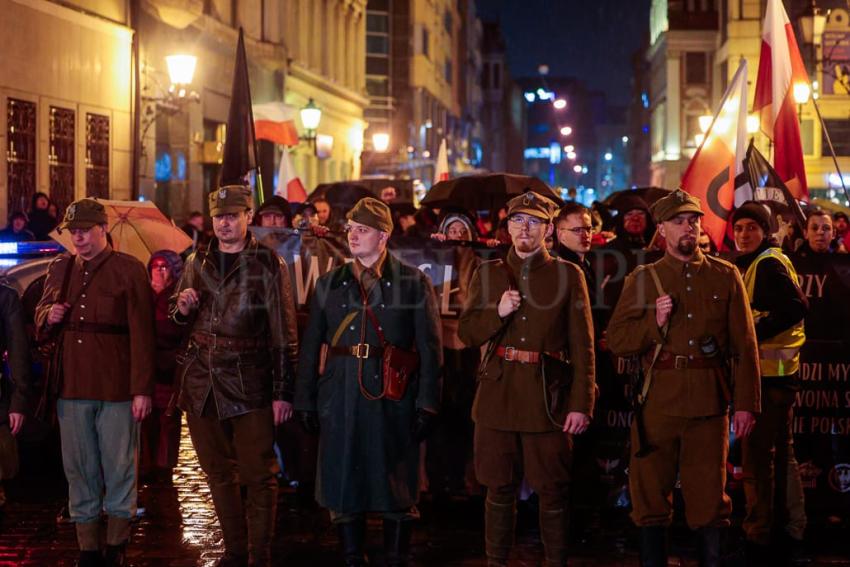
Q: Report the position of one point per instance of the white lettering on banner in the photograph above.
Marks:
(302, 285)
(830, 425)
(835, 371)
(616, 418)
(817, 399)
(807, 281)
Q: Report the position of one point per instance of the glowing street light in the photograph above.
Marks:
(608, 156)
(181, 68)
(577, 168)
(569, 148)
(802, 92)
(698, 138)
(566, 131)
(311, 115)
(560, 104)
(753, 124)
(705, 122)
(571, 156)
(380, 142)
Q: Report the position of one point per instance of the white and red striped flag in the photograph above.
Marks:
(289, 185)
(780, 68)
(719, 159)
(441, 171)
(275, 122)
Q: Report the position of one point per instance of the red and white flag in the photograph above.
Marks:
(711, 174)
(441, 171)
(275, 122)
(289, 185)
(780, 68)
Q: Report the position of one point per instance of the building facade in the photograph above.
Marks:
(66, 93)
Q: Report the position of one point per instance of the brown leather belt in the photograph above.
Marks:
(213, 342)
(99, 328)
(669, 361)
(361, 350)
(512, 354)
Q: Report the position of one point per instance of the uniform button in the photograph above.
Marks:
(690, 315)
(81, 317)
(688, 288)
(83, 296)
(688, 275)
(82, 306)
(524, 318)
(381, 306)
(690, 357)
(344, 283)
(389, 284)
(351, 327)
(80, 341)
(525, 277)
(344, 305)
(691, 342)
(85, 273)
(522, 339)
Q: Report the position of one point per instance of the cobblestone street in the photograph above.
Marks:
(179, 529)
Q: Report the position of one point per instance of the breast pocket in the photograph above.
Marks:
(108, 308)
(716, 304)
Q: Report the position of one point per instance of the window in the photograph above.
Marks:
(696, 68)
(447, 71)
(839, 133)
(379, 23)
(485, 76)
(377, 44)
(97, 156)
(425, 47)
(20, 154)
(61, 157)
(447, 22)
(377, 86)
(377, 65)
(497, 76)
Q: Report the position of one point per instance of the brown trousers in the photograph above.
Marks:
(696, 450)
(233, 451)
(771, 474)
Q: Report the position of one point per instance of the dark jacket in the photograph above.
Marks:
(41, 223)
(251, 302)
(17, 391)
(774, 294)
(367, 458)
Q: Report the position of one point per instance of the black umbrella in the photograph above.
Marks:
(485, 192)
(648, 194)
(342, 195)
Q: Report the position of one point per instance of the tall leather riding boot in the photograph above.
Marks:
(710, 546)
(261, 516)
(554, 531)
(397, 542)
(653, 546)
(352, 536)
(117, 535)
(499, 526)
(88, 539)
(234, 528)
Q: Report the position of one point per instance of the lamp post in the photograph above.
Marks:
(175, 99)
(380, 142)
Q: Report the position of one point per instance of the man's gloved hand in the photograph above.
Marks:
(309, 421)
(423, 425)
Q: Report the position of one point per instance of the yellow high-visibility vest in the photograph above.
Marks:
(779, 355)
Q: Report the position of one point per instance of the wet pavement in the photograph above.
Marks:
(179, 528)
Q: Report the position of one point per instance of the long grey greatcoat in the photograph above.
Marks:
(367, 459)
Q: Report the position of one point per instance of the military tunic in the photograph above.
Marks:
(686, 410)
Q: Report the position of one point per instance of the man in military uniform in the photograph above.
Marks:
(687, 317)
(105, 316)
(772, 482)
(236, 376)
(534, 313)
(369, 442)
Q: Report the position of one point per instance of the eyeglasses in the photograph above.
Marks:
(578, 230)
(530, 222)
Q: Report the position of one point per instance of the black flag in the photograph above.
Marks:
(767, 186)
(240, 145)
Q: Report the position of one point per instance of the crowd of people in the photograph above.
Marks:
(498, 395)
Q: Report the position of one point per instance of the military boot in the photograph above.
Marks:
(234, 529)
(88, 539)
(554, 531)
(260, 531)
(499, 526)
(710, 547)
(653, 546)
(352, 536)
(397, 542)
(117, 535)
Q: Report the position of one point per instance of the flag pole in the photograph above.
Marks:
(831, 148)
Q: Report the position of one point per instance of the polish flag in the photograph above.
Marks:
(780, 68)
(712, 172)
(289, 185)
(441, 172)
(275, 122)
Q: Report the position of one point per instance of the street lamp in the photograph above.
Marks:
(566, 131)
(560, 104)
(380, 142)
(608, 156)
(753, 124)
(802, 92)
(311, 115)
(705, 122)
(181, 71)
(181, 68)
(812, 24)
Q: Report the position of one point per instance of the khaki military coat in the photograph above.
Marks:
(554, 315)
(709, 299)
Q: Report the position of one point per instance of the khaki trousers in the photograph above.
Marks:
(695, 449)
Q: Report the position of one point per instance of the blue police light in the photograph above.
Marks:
(554, 152)
(8, 248)
(529, 96)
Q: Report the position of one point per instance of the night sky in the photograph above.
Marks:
(592, 40)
